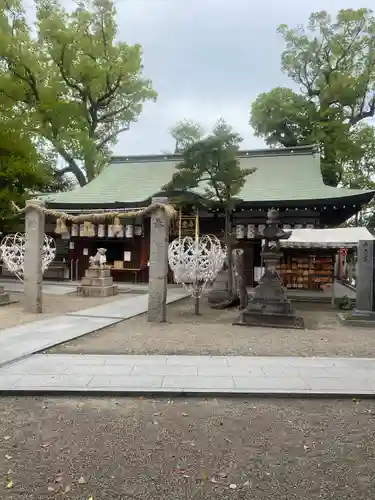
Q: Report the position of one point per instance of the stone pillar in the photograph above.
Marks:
(33, 275)
(365, 278)
(158, 269)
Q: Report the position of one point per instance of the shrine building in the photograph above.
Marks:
(288, 179)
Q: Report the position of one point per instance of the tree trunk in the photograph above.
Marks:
(73, 166)
(196, 305)
(228, 242)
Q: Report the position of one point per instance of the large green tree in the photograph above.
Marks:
(332, 63)
(22, 169)
(78, 86)
(185, 133)
(212, 163)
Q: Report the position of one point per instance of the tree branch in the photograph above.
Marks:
(109, 137)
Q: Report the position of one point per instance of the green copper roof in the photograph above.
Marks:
(281, 175)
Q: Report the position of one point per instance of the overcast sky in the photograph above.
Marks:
(207, 59)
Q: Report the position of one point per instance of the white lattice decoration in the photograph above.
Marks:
(12, 253)
(195, 264)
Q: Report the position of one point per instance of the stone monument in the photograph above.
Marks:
(158, 269)
(219, 295)
(364, 313)
(269, 305)
(98, 281)
(33, 268)
(239, 275)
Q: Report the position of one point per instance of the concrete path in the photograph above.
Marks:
(126, 374)
(24, 340)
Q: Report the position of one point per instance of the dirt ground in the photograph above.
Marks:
(213, 334)
(53, 305)
(140, 449)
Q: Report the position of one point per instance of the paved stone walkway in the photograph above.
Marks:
(24, 340)
(126, 374)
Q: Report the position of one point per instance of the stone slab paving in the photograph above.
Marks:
(217, 375)
(135, 304)
(29, 338)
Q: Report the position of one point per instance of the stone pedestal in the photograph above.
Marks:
(33, 273)
(269, 305)
(4, 297)
(97, 283)
(158, 269)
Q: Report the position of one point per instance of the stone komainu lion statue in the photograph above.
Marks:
(98, 260)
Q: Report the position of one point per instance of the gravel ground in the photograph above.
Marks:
(53, 305)
(213, 334)
(195, 449)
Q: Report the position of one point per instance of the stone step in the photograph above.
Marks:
(97, 291)
(97, 273)
(97, 281)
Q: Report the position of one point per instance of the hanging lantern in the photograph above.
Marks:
(240, 231)
(82, 229)
(110, 231)
(92, 231)
(250, 231)
(129, 231)
(138, 230)
(261, 228)
(117, 228)
(287, 226)
(88, 229)
(101, 230)
(74, 231)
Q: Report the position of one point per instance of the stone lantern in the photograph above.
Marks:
(269, 305)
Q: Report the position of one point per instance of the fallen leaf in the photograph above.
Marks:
(180, 470)
(51, 488)
(246, 483)
(223, 475)
(81, 480)
(67, 489)
(8, 457)
(213, 480)
(305, 447)
(10, 485)
(44, 445)
(233, 486)
(91, 498)
(185, 414)
(59, 477)
(10, 472)
(6, 438)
